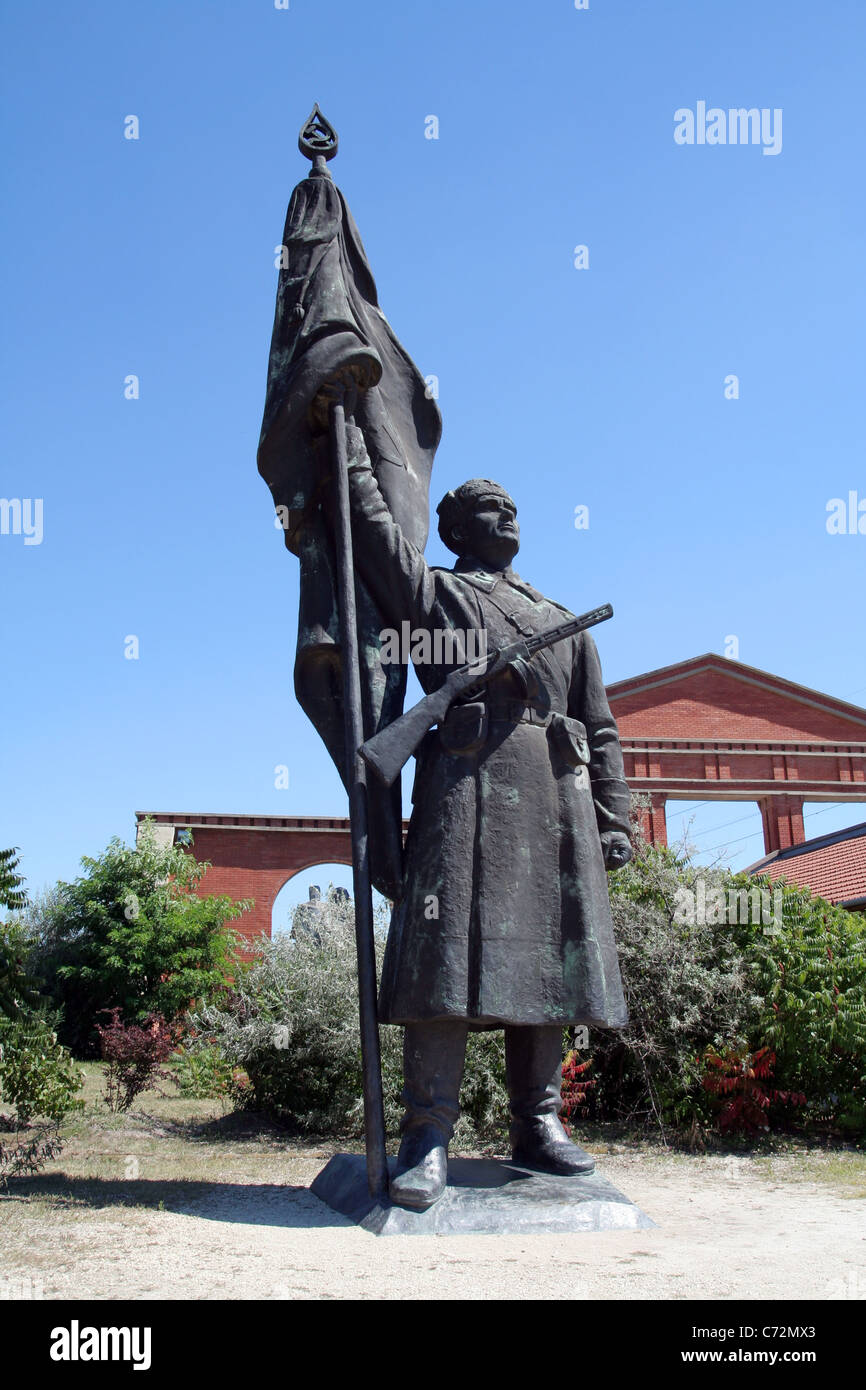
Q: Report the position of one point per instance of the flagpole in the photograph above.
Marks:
(318, 141)
(356, 782)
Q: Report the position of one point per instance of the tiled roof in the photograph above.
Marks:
(830, 866)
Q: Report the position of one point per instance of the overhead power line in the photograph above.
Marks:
(727, 843)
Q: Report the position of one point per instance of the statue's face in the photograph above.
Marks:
(491, 533)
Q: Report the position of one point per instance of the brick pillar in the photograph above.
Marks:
(783, 822)
(653, 822)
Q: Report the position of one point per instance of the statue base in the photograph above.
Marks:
(484, 1196)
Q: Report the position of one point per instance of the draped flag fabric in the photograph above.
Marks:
(328, 320)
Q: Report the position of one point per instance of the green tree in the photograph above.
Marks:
(17, 991)
(11, 892)
(131, 933)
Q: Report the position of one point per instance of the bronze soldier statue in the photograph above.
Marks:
(519, 807)
(502, 918)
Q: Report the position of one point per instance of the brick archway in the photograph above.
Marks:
(715, 729)
(255, 856)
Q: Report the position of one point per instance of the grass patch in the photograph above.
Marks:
(169, 1144)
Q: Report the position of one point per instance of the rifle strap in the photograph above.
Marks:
(515, 611)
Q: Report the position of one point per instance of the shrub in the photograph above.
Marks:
(203, 1074)
(688, 987)
(135, 1054)
(577, 1086)
(37, 1075)
(39, 1081)
(700, 990)
(484, 1112)
(291, 1023)
(738, 1080)
(812, 975)
(29, 1149)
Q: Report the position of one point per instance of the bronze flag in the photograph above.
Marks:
(328, 322)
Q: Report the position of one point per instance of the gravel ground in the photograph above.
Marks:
(787, 1227)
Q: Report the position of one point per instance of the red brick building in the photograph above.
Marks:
(831, 866)
(705, 729)
(714, 729)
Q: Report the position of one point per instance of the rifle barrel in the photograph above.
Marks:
(568, 629)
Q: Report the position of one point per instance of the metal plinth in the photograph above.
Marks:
(484, 1196)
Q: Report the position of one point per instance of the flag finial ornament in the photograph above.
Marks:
(318, 138)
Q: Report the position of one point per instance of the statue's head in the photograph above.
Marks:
(479, 519)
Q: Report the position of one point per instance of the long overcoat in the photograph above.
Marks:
(505, 916)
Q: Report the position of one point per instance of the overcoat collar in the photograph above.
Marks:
(486, 579)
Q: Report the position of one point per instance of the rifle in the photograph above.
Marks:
(387, 751)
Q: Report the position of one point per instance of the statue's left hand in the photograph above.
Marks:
(356, 447)
(342, 386)
(616, 849)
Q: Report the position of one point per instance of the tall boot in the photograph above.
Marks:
(433, 1055)
(533, 1069)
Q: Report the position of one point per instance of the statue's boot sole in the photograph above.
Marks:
(420, 1187)
(416, 1196)
(565, 1164)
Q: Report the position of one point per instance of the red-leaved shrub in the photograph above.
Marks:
(738, 1078)
(575, 1087)
(135, 1054)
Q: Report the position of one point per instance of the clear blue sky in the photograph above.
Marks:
(602, 387)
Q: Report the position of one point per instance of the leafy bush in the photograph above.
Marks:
(203, 1074)
(39, 1082)
(131, 934)
(291, 1023)
(698, 990)
(484, 1111)
(135, 1054)
(738, 1080)
(37, 1075)
(812, 975)
(577, 1086)
(688, 987)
